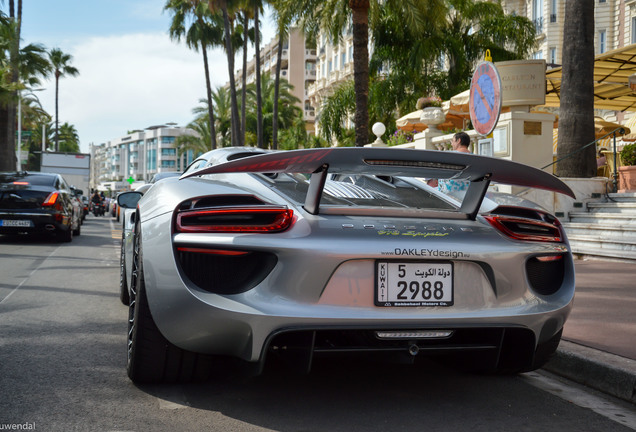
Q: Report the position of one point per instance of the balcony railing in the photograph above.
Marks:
(538, 24)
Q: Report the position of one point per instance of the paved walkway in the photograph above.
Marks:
(598, 348)
(604, 313)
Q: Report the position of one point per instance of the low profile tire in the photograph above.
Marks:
(151, 358)
(124, 295)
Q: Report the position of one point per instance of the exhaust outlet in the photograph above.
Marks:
(49, 227)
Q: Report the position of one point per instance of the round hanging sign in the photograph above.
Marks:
(485, 98)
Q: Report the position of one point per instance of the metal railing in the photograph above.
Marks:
(621, 131)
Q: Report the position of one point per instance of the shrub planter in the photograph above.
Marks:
(627, 179)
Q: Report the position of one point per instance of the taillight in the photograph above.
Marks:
(527, 229)
(212, 251)
(261, 219)
(51, 199)
(21, 183)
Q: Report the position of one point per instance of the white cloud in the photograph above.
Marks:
(131, 82)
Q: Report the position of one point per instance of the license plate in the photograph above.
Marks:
(15, 223)
(413, 283)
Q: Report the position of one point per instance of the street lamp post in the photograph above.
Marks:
(19, 130)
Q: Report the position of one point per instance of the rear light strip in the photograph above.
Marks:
(261, 219)
(212, 251)
(527, 229)
(51, 199)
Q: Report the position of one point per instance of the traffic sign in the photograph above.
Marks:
(485, 98)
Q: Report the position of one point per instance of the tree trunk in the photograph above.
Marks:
(230, 66)
(208, 88)
(259, 96)
(576, 121)
(246, 24)
(279, 58)
(57, 117)
(8, 161)
(360, 13)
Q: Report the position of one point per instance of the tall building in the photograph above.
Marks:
(298, 67)
(614, 25)
(334, 66)
(138, 155)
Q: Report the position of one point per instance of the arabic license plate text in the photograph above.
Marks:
(15, 223)
(413, 283)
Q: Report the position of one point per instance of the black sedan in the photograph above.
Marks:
(32, 202)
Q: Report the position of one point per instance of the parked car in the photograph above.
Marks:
(128, 221)
(33, 202)
(83, 205)
(293, 255)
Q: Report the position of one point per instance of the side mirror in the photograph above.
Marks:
(129, 199)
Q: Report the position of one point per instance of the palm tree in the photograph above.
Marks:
(62, 67)
(223, 108)
(472, 27)
(257, 5)
(225, 6)
(576, 121)
(198, 143)
(283, 21)
(334, 16)
(31, 65)
(336, 110)
(69, 139)
(287, 103)
(205, 30)
(459, 35)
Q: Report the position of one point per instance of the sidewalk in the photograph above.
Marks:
(598, 348)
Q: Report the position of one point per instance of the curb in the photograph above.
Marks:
(608, 373)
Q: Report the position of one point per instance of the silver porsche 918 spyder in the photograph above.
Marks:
(293, 255)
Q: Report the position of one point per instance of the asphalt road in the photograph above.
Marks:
(63, 356)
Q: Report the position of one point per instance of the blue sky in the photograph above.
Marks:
(131, 74)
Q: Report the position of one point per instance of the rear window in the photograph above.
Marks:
(365, 191)
(32, 179)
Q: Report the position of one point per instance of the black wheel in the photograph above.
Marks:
(151, 358)
(66, 236)
(78, 231)
(124, 295)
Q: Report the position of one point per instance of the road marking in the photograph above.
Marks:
(611, 408)
(29, 276)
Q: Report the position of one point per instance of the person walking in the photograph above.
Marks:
(456, 188)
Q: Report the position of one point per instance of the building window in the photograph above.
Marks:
(343, 59)
(537, 55)
(151, 161)
(537, 15)
(602, 41)
(169, 152)
(553, 11)
(634, 30)
(553, 56)
(167, 139)
(329, 66)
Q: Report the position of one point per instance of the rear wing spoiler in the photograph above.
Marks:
(479, 170)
